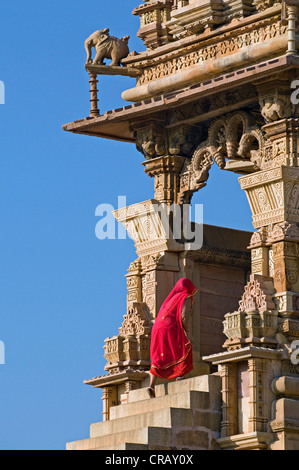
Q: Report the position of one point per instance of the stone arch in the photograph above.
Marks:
(234, 136)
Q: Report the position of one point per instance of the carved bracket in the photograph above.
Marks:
(236, 137)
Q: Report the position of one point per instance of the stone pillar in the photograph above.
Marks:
(229, 423)
(260, 260)
(134, 283)
(109, 399)
(292, 15)
(94, 111)
(247, 406)
(258, 418)
(166, 171)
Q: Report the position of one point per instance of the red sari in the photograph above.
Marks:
(171, 351)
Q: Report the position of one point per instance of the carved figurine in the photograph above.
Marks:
(107, 47)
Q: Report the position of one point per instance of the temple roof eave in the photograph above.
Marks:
(116, 124)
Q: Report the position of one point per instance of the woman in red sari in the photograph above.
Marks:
(171, 350)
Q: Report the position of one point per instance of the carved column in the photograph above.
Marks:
(292, 15)
(134, 283)
(94, 111)
(166, 172)
(168, 151)
(260, 260)
(159, 276)
(229, 423)
(258, 418)
(109, 399)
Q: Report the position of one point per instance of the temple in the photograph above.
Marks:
(215, 85)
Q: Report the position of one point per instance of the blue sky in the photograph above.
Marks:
(63, 291)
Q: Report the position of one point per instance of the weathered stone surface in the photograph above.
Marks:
(192, 438)
(175, 419)
(214, 86)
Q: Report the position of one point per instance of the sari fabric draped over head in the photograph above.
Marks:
(171, 351)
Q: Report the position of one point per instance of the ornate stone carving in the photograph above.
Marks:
(258, 238)
(153, 18)
(166, 171)
(255, 322)
(235, 136)
(260, 261)
(259, 416)
(258, 295)
(283, 231)
(237, 9)
(286, 275)
(137, 322)
(153, 141)
(262, 5)
(148, 225)
(196, 17)
(201, 53)
(134, 283)
(107, 47)
(273, 195)
(275, 100)
(132, 346)
(229, 422)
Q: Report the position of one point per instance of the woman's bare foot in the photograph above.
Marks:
(151, 392)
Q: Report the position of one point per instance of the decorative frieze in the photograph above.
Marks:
(273, 195)
(199, 54)
(148, 226)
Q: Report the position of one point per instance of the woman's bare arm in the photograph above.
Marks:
(186, 315)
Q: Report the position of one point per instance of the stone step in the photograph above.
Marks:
(186, 400)
(202, 383)
(157, 436)
(166, 418)
(173, 395)
(126, 446)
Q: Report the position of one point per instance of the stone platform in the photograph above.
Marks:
(184, 415)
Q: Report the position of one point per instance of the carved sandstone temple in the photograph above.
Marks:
(214, 86)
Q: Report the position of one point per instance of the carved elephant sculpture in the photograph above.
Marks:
(107, 47)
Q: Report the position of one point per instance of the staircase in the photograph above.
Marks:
(184, 415)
